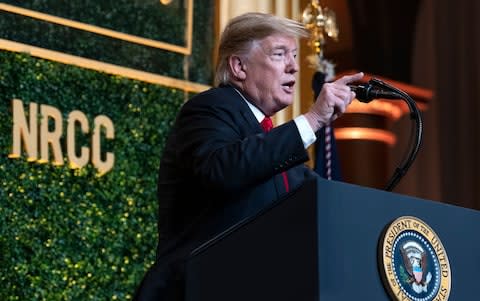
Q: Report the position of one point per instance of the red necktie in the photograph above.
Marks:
(267, 125)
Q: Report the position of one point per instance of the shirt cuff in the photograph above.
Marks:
(305, 130)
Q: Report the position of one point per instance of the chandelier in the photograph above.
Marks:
(321, 22)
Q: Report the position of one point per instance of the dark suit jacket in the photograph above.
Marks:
(218, 168)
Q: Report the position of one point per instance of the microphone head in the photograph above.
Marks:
(367, 92)
(362, 92)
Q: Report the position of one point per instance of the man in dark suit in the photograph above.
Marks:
(222, 162)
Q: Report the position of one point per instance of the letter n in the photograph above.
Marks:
(23, 132)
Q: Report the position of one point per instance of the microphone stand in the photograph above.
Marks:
(402, 169)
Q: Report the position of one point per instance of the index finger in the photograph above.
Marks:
(346, 79)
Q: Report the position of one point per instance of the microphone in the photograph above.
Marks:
(367, 92)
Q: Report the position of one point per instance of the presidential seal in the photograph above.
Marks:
(413, 262)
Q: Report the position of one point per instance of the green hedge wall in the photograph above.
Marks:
(67, 234)
(145, 18)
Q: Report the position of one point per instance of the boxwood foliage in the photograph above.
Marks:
(145, 18)
(68, 234)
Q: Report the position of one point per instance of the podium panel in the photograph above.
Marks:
(255, 258)
(321, 243)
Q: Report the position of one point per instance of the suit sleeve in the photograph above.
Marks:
(225, 152)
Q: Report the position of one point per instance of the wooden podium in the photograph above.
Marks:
(322, 243)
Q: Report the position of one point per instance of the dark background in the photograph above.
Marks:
(433, 45)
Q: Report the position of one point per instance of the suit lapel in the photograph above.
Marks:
(246, 113)
(254, 127)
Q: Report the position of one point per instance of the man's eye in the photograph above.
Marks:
(279, 53)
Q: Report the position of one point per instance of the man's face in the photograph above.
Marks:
(270, 73)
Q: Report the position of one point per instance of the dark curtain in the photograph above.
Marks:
(382, 36)
(432, 44)
(457, 44)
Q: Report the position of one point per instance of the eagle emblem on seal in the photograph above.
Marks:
(416, 264)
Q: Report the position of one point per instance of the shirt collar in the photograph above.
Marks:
(258, 114)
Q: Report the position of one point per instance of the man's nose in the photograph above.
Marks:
(292, 65)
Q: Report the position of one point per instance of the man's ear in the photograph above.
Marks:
(237, 67)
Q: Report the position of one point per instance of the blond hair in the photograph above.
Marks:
(242, 31)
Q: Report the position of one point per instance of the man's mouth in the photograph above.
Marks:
(288, 86)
